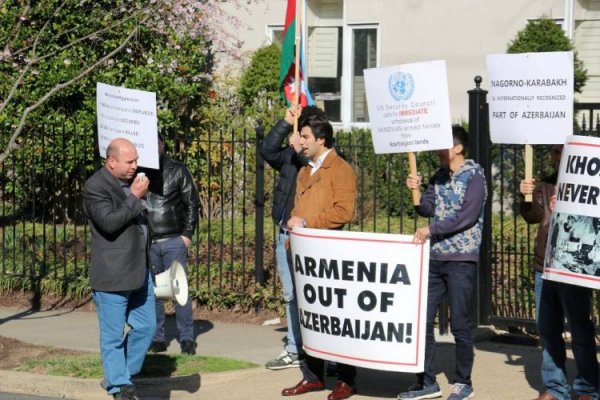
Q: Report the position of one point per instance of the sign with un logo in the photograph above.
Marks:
(409, 108)
(401, 85)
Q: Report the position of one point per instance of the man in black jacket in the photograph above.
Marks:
(287, 159)
(173, 214)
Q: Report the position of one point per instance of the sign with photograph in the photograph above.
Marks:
(130, 114)
(409, 108)
(530, 97)
(362, 297)
(573, 251)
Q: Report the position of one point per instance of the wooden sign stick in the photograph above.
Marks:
(528, 168)
(412, 164)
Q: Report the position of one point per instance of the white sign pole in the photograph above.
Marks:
(130, 114)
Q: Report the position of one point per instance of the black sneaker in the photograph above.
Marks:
(188, 347)
(127, 392)
(157, 347)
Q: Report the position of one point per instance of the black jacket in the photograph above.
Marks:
(172, 200)
(284, 159)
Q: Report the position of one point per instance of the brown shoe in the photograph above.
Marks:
(340, 391)
(585, 397)
(303, 387)
(546, 396)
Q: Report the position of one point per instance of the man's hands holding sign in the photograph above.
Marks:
(413, 182)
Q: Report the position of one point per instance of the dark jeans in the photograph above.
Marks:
(313, 370)
(162, 254)
(560, 300)
(457, 279)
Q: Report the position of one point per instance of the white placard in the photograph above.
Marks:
(409, 108)
(130, 114)
(530, 97)
(362, 297)
(573, 250)
(578, 187)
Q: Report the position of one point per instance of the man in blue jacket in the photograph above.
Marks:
(287, 159)
(454, 200)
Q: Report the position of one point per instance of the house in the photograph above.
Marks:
(343, 37)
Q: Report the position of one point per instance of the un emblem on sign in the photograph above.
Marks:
(401, 85)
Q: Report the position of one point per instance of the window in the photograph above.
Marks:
(324, 39)
(337, 87)
(275, 34)
(364, 54)
(325, 69)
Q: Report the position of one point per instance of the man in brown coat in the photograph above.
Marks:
(538, 212)
(325, 199)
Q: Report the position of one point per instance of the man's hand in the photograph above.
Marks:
(553, 202)
(421, 234)
(186, 240)
(527, 187)
(139, 186)
(296, 221)
(291, 113)
(413, 181)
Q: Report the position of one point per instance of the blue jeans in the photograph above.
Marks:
(162, 254)
(560, 300)
(457, 280)
(537, 288)
(548, 367)
(286, 275)
(123, 353)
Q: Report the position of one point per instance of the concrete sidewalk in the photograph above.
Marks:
(501, 371)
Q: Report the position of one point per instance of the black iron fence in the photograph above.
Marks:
(506, 282)
(44, 241)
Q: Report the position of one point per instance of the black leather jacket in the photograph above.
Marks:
(284, 159)
(172, 200)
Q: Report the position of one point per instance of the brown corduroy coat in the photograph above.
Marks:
(326, 200)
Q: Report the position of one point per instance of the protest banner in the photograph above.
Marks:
(573, 249)
(362, 297)
(130, 114)
(530, 97)
(409, 108)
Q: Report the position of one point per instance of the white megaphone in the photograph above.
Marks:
(172, 284)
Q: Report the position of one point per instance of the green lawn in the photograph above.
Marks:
(155, 365)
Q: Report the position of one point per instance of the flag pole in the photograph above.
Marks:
(297, 43)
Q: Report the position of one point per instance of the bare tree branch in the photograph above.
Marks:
(83, 38)
(27, 67)
(12, 144)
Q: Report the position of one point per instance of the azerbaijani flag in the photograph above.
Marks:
(287, 86)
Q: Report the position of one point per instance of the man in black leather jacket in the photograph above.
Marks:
(287, 159)
(172, 203)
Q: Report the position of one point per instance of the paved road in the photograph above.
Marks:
(14, 396)
(502, 370)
